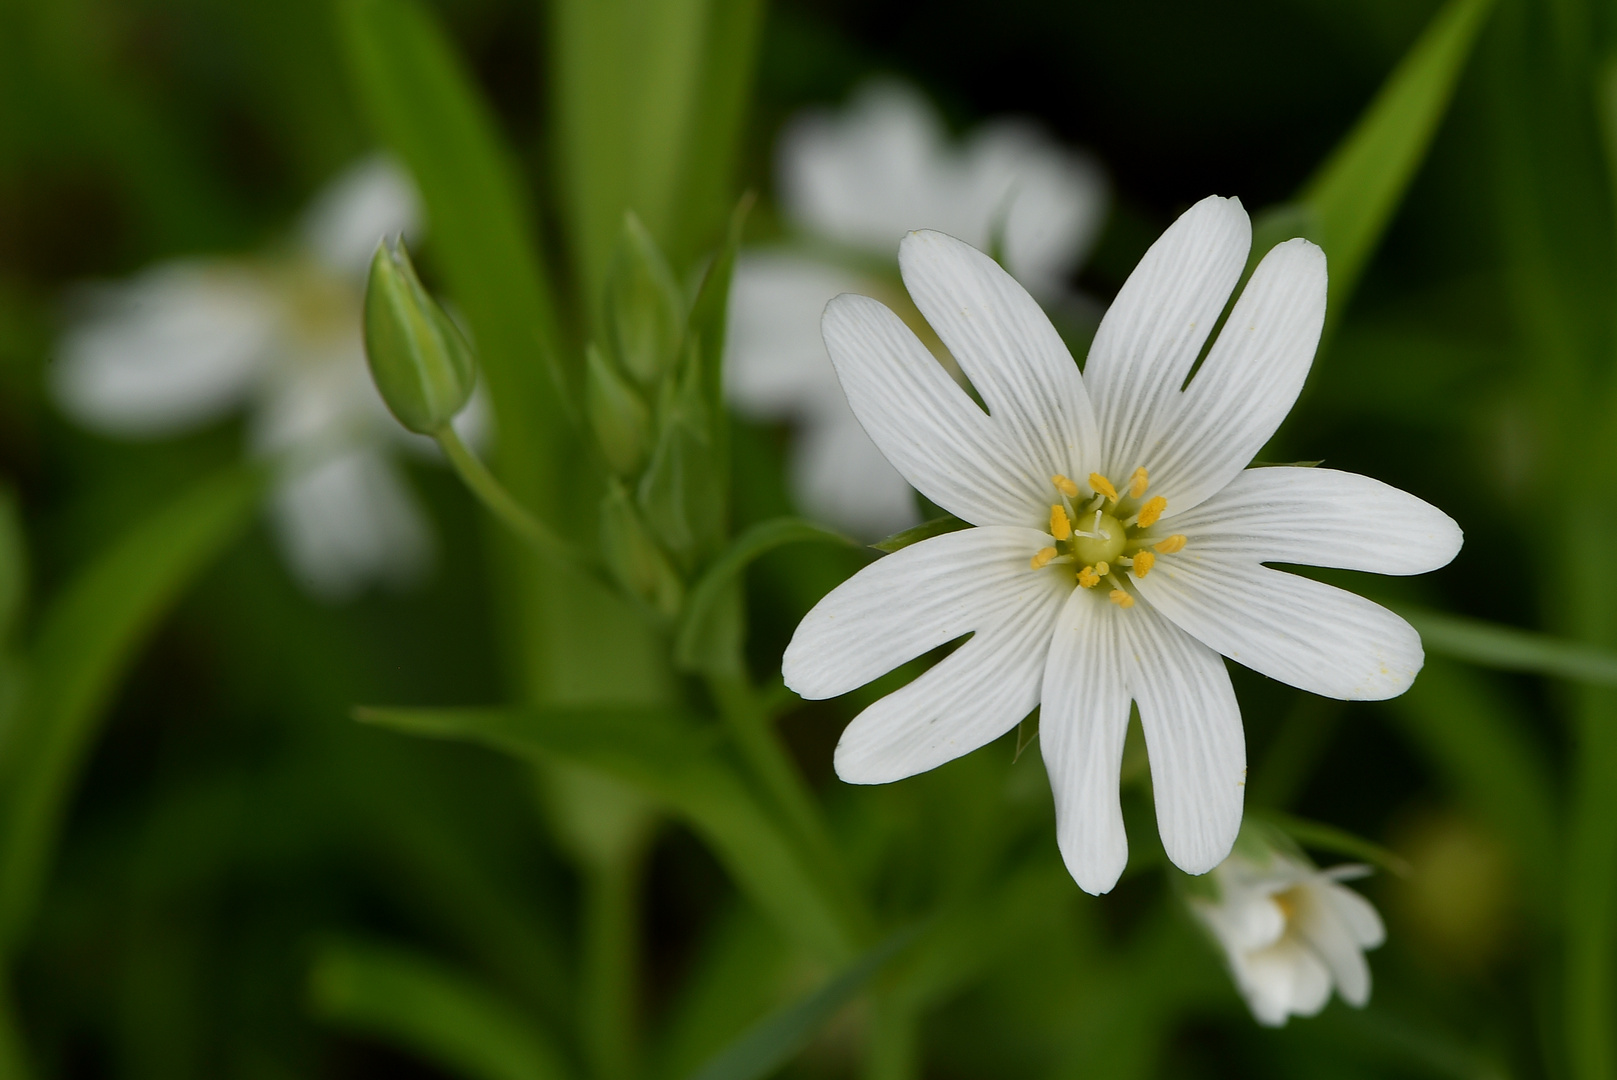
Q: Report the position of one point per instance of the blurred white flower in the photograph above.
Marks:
(852, 184)
(185, 343)
(1290, 932)
(1121, 540)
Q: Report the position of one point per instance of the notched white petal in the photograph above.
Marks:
(912, 601)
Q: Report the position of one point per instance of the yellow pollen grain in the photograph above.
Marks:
(1065, 486)
(1060, 527)
(1121, 599)
(1139, 482)
(1174, 543)
(1152, 510)
(1102, 485)
(1143, 562)
(1088, 578)
(1042, 557)
(1102, 569)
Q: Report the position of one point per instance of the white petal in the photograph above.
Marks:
(841, 478)
(175, 347)
(1083, 717)
(916, 599)
(350, 521)
(1285, 979)
(1153, 332)
(1007, 348)
(947, 447)
(1301, 632)
(1318, 922)
(1358, 915)
(371, 199)
(1193, 737)
(971, 698)
(1322, 517)
(775, 362)
(1248, 383)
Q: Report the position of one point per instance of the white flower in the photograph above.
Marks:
(859, 181)
(184, 343)
(1120, 541)
(1290, 932)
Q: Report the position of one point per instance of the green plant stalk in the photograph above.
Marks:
(501, 503)
(610, 984)
(893, 1049)
(766, 757)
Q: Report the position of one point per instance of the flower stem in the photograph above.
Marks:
(501, 503)
(611, 956)
(768, 760)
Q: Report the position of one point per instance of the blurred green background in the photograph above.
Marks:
(237, 856)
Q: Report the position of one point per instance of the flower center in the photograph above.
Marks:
(1095, 535)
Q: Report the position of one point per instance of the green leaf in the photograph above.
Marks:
(424, 106)
(777, 1038)
(424, 1006)
(710, 316)
(948, 523)
(87, 637)
(678, 763)
(707, 639)
(649, 99)
(1353, 196)
(13, 567)
(1323, 837)
(1510, 649)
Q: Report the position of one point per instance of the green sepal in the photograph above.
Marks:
(683, 489)
(926, 530)
(645, 311)
(637, 561)
(619, 417)
(422, 365)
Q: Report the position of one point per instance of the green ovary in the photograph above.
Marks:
(1091, 550)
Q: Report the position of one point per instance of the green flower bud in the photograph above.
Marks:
(621, 420)
(645, 312)
(422, 365)
(634, 556)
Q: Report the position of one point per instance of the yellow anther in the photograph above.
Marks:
(1060, 527)
(1102, 569)
(1153, 508)
(1139, 482)
(1174, 543)
(1088, 578)
(1121, 599)
(1065, 486)
(1103, 486)
(1042, 557)
(1143, 561)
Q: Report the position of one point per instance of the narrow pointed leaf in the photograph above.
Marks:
(926, 530)
(87, 637)
(1510, 649)
(1353, 196)
(422, 1006)
(776, 1039)
(678, 763)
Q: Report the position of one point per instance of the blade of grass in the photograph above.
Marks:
(87, 637)
(431, 1010)
(1509, 649)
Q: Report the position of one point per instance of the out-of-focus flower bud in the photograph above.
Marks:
(683, 490)
(634, 556)
(645, 313)
(620, 418)
(423, 366)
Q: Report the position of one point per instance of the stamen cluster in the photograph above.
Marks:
(1096, 533)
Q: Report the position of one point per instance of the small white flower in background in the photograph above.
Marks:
(1120, 541)
(1290, 932)
(185, 343)
(853, 184)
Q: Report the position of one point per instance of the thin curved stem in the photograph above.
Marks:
(502, 504)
